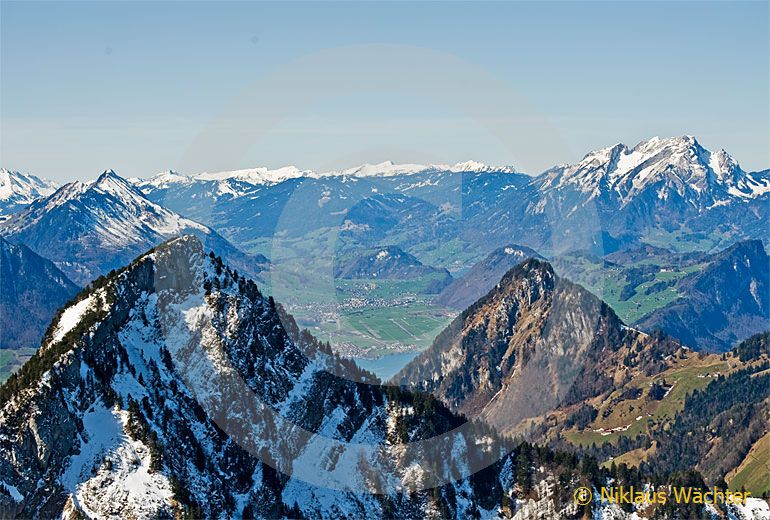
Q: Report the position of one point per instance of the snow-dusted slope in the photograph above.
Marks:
(19, 189)
(92, 227)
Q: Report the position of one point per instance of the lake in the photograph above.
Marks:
(386, 367)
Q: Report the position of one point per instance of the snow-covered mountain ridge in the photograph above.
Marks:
(18, 189)
(676, 163)
(88, 228)
(619, 168)
(238, 182)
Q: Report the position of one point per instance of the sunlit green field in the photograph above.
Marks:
(754, 471)
(608, 284)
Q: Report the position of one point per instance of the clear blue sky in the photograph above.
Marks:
(142, 87)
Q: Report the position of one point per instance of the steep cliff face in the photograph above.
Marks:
(534, 343)
(174, 386)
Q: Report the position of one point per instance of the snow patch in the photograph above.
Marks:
(71, 317)
(111, 474)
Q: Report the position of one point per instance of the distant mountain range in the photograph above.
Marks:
(672, 185)
(87, 229)
(670, 191)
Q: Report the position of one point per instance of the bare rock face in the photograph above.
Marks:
(534, 343)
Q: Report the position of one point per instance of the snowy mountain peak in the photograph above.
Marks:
(675, 166)
(111, 181)
(391, 169)
(479, 167)
(19, 189)
(109, 214)
(255, 175)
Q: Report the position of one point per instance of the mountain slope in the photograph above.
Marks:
(542, 357)
(17, 190)
(483, 276)
(720, 423)
(534, 343)
(89, 228)
(31, 290)
(132, 408)
(727, 301)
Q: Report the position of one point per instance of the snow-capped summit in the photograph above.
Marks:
(675, 166)
(478, 167)
(19, 189)
(251, 176)
(256, 175)
(383, 169)
(88, 228)
(234, 182)
(163, 179)
(391, 169)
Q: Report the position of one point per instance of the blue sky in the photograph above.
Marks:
(142, 87)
